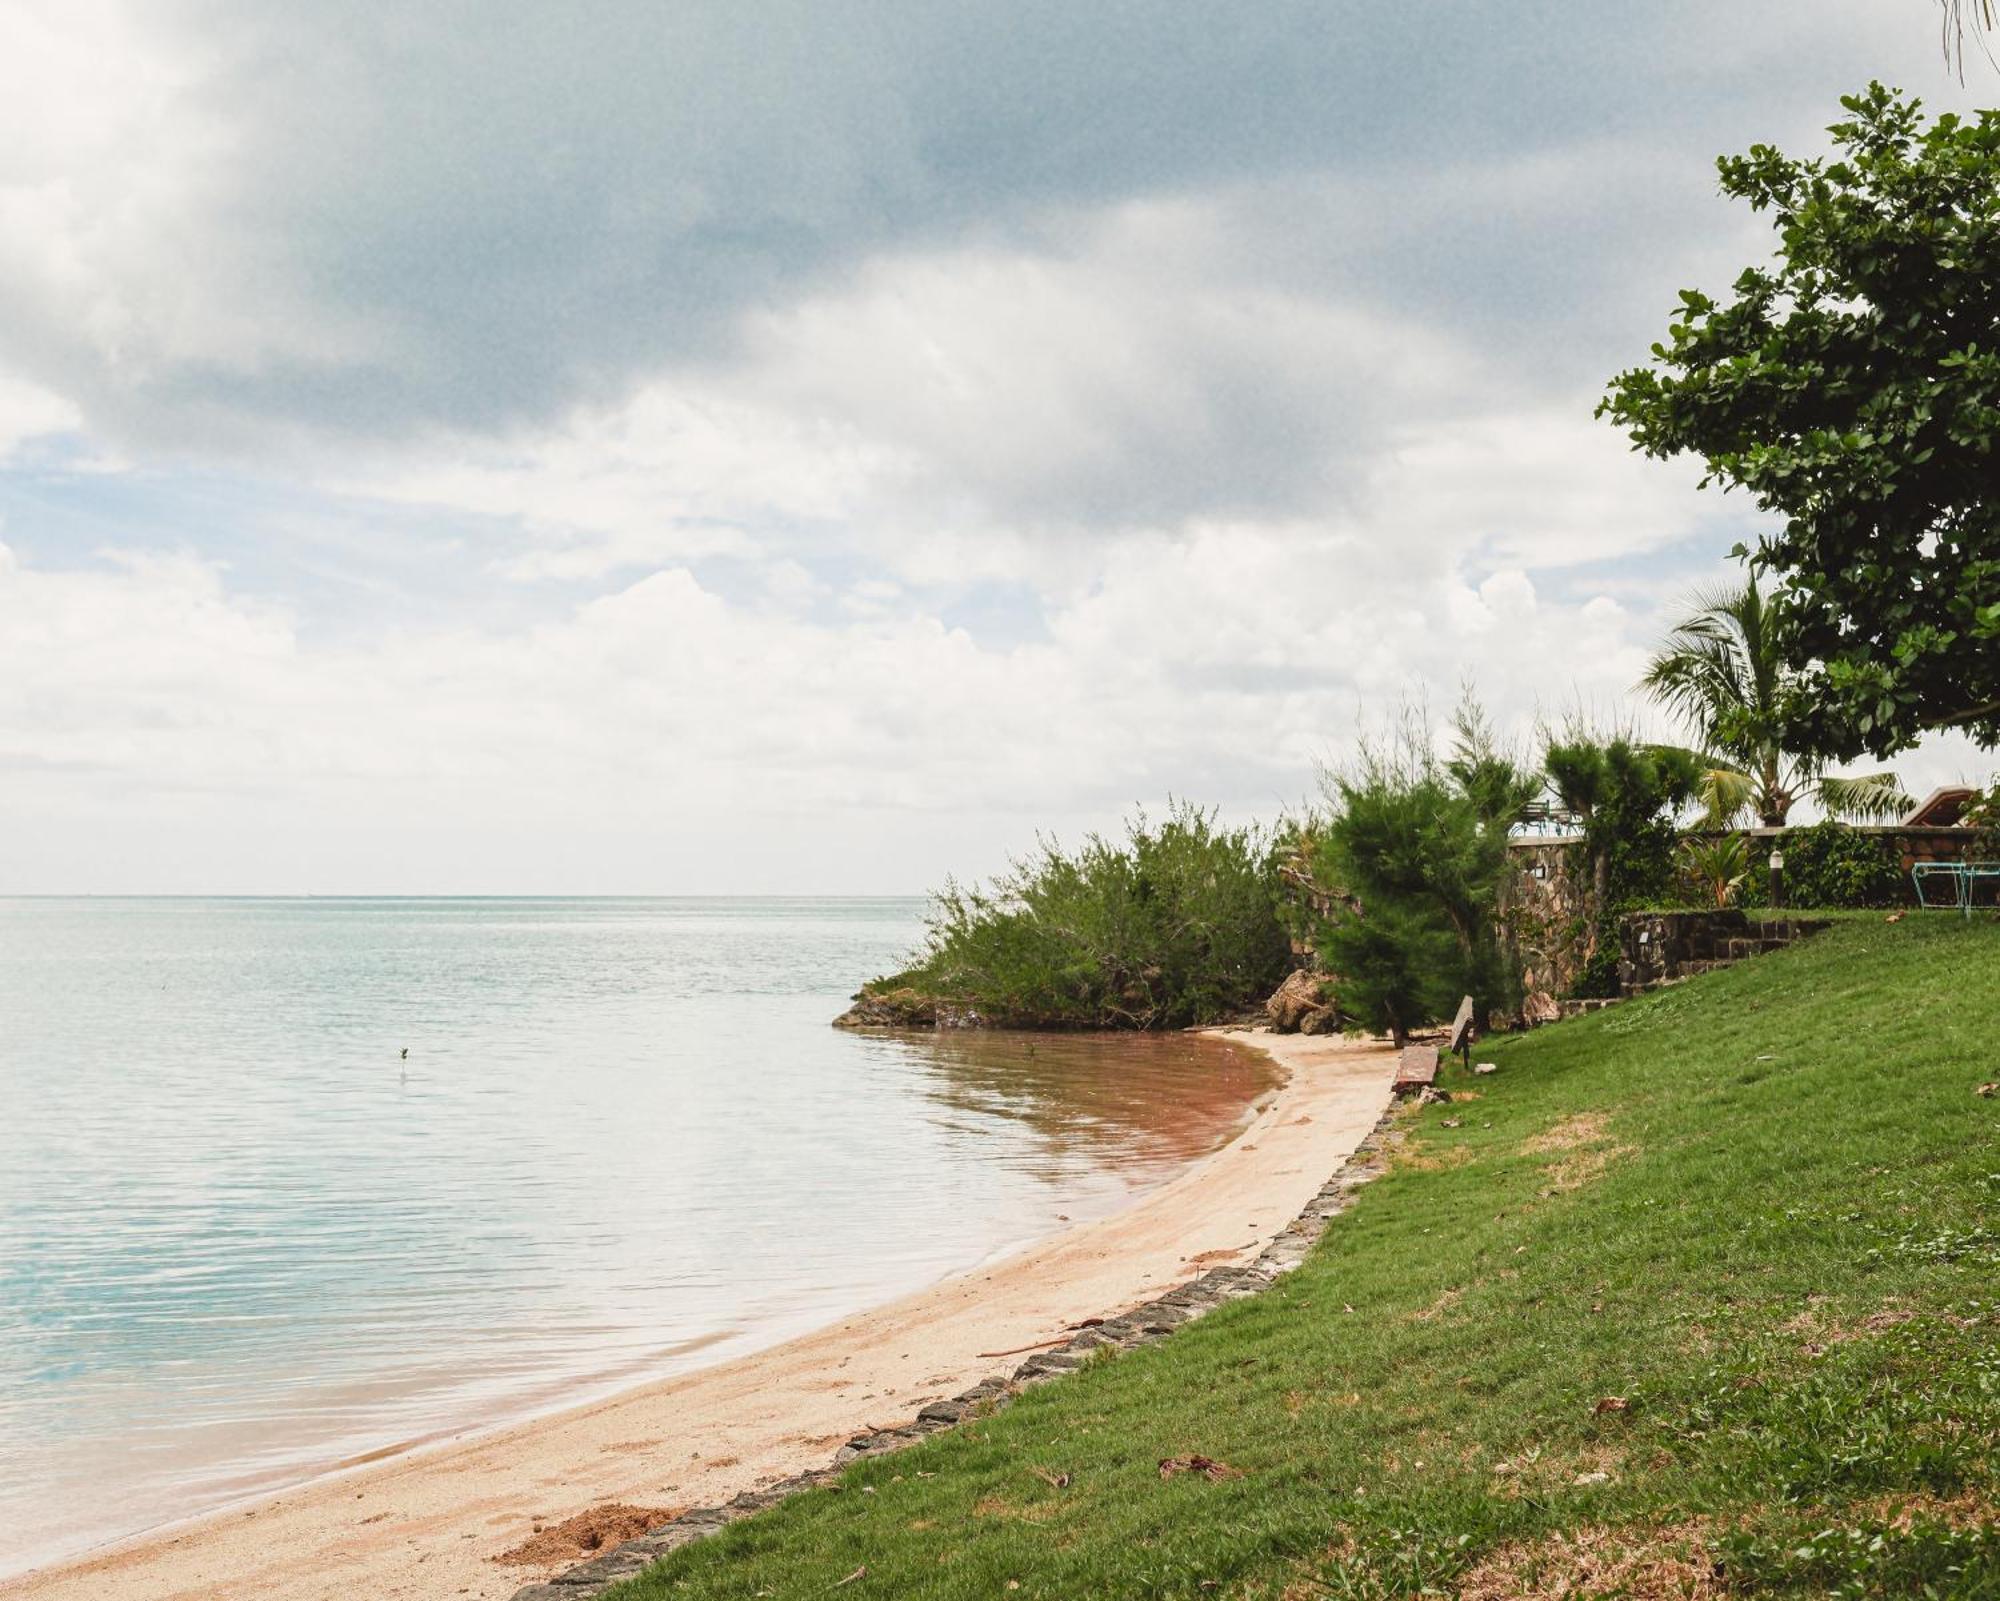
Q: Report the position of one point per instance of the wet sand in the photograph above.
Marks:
(431, 1522)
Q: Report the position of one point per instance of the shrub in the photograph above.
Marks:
(1418, 845)
(1177, 925)
(1830, 864)
(1718, 867)
(1625, 795)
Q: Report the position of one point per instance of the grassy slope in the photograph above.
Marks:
(1762, 1207)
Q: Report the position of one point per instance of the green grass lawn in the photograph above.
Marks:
(1699, 1295)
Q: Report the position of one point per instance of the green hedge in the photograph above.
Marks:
(1830, 864)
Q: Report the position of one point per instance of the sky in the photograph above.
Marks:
(785, 448)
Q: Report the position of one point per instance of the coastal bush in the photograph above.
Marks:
(1829, 864)
(1176, 924)
(1418, 845)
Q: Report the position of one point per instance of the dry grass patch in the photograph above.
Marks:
(1670, 1564)
(1421, 1159)
(1970, 1509)
(1583, 1142)
(998, 1507)
(1572, 1133)
(1446, 1300)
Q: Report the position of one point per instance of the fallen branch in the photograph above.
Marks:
(1039, 1345)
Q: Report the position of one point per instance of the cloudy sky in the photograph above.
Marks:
(663, 447)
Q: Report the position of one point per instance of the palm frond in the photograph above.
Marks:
(1719, 669)
(1868, 797)
(1725, 795)
(1694, 676)
(1977, 17)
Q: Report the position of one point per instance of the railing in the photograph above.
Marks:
(1959, 881)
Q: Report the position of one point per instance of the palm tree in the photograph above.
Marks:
(1721, 671)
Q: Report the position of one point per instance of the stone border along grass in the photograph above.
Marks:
(1143, 1325)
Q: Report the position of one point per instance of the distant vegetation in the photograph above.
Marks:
(1173, 925)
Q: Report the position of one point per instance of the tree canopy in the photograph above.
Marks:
(1852, 387)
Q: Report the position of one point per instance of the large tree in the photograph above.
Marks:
(1852, 387)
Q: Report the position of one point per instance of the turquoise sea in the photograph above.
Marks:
(285, 1182)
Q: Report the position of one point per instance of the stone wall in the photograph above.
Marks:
(1547, 921)
(1657, 948)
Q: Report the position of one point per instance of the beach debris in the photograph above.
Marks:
(1039, 1345)
(859, 1573)
(1207, 1467)
(1450, 1122)
(1612, 1403)
(1058, 1481)
(1895, 917)
(597, 1528)
(1599, 1477)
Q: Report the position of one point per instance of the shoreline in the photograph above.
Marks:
(430, 1520)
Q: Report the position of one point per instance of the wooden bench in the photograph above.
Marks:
(1460, 1043)
(1416, 1069)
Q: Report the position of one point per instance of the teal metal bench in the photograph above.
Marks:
(1951, 885)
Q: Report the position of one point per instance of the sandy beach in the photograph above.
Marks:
(431, 1522)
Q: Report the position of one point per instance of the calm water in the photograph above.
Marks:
(243, 1238)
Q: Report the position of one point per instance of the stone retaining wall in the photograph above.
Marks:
(1547, 905)
(1142, 1325)
(1658, 948)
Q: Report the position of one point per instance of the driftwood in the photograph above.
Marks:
(1039, 1345)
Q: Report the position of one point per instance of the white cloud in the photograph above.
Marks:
(147, 691)
(737, 358)
(28, 411)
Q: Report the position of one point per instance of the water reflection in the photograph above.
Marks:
(1139, 1107)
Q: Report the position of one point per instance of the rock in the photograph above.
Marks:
(1322, 1020)
(1485, 1067)
(901, 1006)
(889, 1008)
(1303, 1004)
